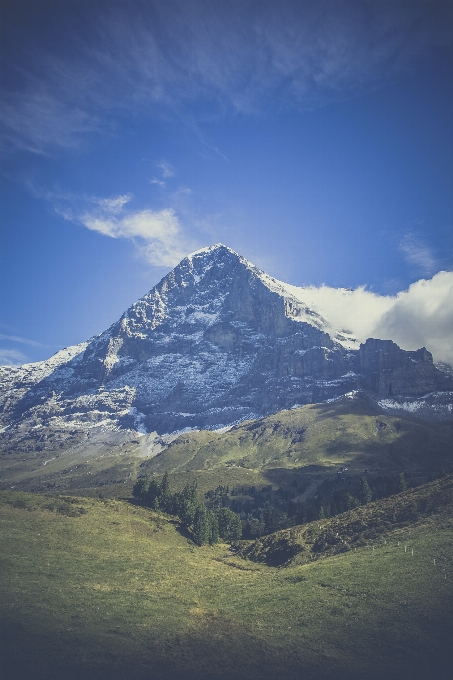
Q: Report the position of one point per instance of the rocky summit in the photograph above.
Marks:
(217, 341)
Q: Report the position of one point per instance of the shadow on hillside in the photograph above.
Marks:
(215, 649)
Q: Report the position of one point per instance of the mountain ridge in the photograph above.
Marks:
(215, 342)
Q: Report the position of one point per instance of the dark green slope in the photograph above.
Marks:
(429, 504)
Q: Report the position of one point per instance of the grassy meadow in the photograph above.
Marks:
(100, 588)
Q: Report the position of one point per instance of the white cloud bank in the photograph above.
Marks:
(421, 316)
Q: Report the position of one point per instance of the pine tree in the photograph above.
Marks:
(402, 484)
(140, 488)
(201, 528)
(230, 525)
(152, 494)
(165, 499)
(351, 501)
(165, 485)
(365, 493)
(213, 524)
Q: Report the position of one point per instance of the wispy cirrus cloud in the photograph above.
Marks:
(166, 171)
(158, 235)
(202, 58)
(113, 205)
(12, 357)
(418, 254)
(23, 341)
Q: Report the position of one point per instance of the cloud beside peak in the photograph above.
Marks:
(158, 233)
(421, 316)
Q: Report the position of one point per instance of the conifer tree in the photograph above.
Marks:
(402, 484)
(351, 501)
(365, 493)
(152, 494)
(140, 488)
(165, 499)
(213, 524)
(230, 525)
(201, 528)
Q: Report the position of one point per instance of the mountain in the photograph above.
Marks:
(216, 342)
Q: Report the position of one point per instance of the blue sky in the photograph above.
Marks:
(315, 138)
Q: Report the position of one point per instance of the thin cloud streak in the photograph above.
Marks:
(198, 58)
(12, 357)
(24, 341)
(418, 254)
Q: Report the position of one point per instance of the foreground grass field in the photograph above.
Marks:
(104, 589)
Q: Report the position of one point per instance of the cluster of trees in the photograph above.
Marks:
(207, 525)
(265, 510)
(339, 495)
(249, 511)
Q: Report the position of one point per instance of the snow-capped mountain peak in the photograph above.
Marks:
(216, 341)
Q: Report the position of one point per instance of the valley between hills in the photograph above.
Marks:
(103, 588)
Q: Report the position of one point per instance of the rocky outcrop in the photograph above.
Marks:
(387, 370)
(215, 342)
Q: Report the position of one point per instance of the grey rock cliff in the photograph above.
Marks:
(215, 342)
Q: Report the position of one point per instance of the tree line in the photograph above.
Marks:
(265, 510)
(206, 525)
(250, 511)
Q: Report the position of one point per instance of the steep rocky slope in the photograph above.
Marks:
(217, 341)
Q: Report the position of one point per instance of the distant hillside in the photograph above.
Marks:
(302, 444)
(352, 432)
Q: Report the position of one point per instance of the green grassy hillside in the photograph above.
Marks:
(352, 432)
(103, 589)
(301, 444)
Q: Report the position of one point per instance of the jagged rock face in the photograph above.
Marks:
(387, 370)
(216, 341)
